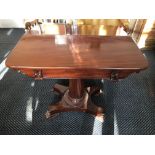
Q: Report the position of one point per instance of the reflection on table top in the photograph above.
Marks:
(76, 51)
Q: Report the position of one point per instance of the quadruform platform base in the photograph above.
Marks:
(81, 103)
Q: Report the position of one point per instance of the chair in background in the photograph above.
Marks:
(45, 26)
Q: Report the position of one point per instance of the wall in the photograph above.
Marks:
(11, 23)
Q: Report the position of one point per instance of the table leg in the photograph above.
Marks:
(75, 98)
(60, 89)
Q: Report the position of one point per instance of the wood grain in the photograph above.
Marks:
(76, 56)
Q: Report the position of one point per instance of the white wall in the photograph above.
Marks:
(11, 23)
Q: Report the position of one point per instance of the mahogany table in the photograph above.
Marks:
(76, 57)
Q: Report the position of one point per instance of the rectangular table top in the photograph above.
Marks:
(76, 56)
(76, 51)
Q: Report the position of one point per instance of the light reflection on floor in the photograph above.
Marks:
(9, 32)
(3, 69)
(116, 130)
(29, 109)
(32, 84)
(6, 54)
(98, 124)
(37, 102)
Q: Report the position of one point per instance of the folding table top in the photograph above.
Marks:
(76, 52)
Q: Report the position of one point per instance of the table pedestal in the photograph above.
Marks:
(75, 98)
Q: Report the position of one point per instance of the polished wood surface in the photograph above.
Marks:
(76, 56)
(82, 103)
(76, 88)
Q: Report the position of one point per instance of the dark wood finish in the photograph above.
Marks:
(60, 89)
(76, 57)
(75, 100)
(80, 73)
(76, 88)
